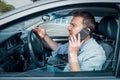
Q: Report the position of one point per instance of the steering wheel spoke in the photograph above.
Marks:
(36, 48)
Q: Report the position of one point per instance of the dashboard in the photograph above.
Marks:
(11, 43)
(10, 47)
(14, 55)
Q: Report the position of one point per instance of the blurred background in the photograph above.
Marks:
(8, 5)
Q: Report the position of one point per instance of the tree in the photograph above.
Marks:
(5, 7)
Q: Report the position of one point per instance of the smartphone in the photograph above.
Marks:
(84, 33)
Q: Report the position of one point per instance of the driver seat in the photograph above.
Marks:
(108, 28)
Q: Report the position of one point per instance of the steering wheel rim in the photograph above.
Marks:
(32, 36)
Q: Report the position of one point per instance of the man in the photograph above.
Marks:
(83, 55)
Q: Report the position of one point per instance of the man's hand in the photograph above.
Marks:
(40, 31)
(74, 44)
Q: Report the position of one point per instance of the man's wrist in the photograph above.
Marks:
(73, 55)
(73, 58)
(45, 36)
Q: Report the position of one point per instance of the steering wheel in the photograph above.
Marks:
(36, 48)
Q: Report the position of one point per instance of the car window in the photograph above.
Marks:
(58, 28)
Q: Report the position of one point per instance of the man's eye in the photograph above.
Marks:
(73, 25)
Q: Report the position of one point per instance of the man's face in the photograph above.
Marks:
(75, 25)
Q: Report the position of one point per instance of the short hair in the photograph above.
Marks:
(88, 19)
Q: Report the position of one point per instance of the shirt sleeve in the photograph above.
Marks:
(67, 68)
(61, 49)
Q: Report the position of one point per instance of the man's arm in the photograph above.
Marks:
(74, 64)
(74, 46)
(42, 33)
(52, 44)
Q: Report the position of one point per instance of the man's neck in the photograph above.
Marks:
(87, 38)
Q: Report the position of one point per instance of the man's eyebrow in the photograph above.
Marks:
(73, 24)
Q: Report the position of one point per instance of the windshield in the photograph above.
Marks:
(22, 25)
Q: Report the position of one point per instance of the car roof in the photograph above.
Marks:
(44, 5)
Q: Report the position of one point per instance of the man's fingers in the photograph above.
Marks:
(74, 38)
(37, 29)
(70, 42)
(71, 38)
(78, 37)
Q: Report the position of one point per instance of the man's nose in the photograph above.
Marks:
(69, 27)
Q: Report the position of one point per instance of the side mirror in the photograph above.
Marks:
(46, 18)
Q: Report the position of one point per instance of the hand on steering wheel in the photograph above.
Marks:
(41, 32)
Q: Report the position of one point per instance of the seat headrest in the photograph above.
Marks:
(108, 27)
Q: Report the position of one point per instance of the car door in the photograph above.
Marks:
(55, 19)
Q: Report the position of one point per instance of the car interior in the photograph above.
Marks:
(21, 48)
